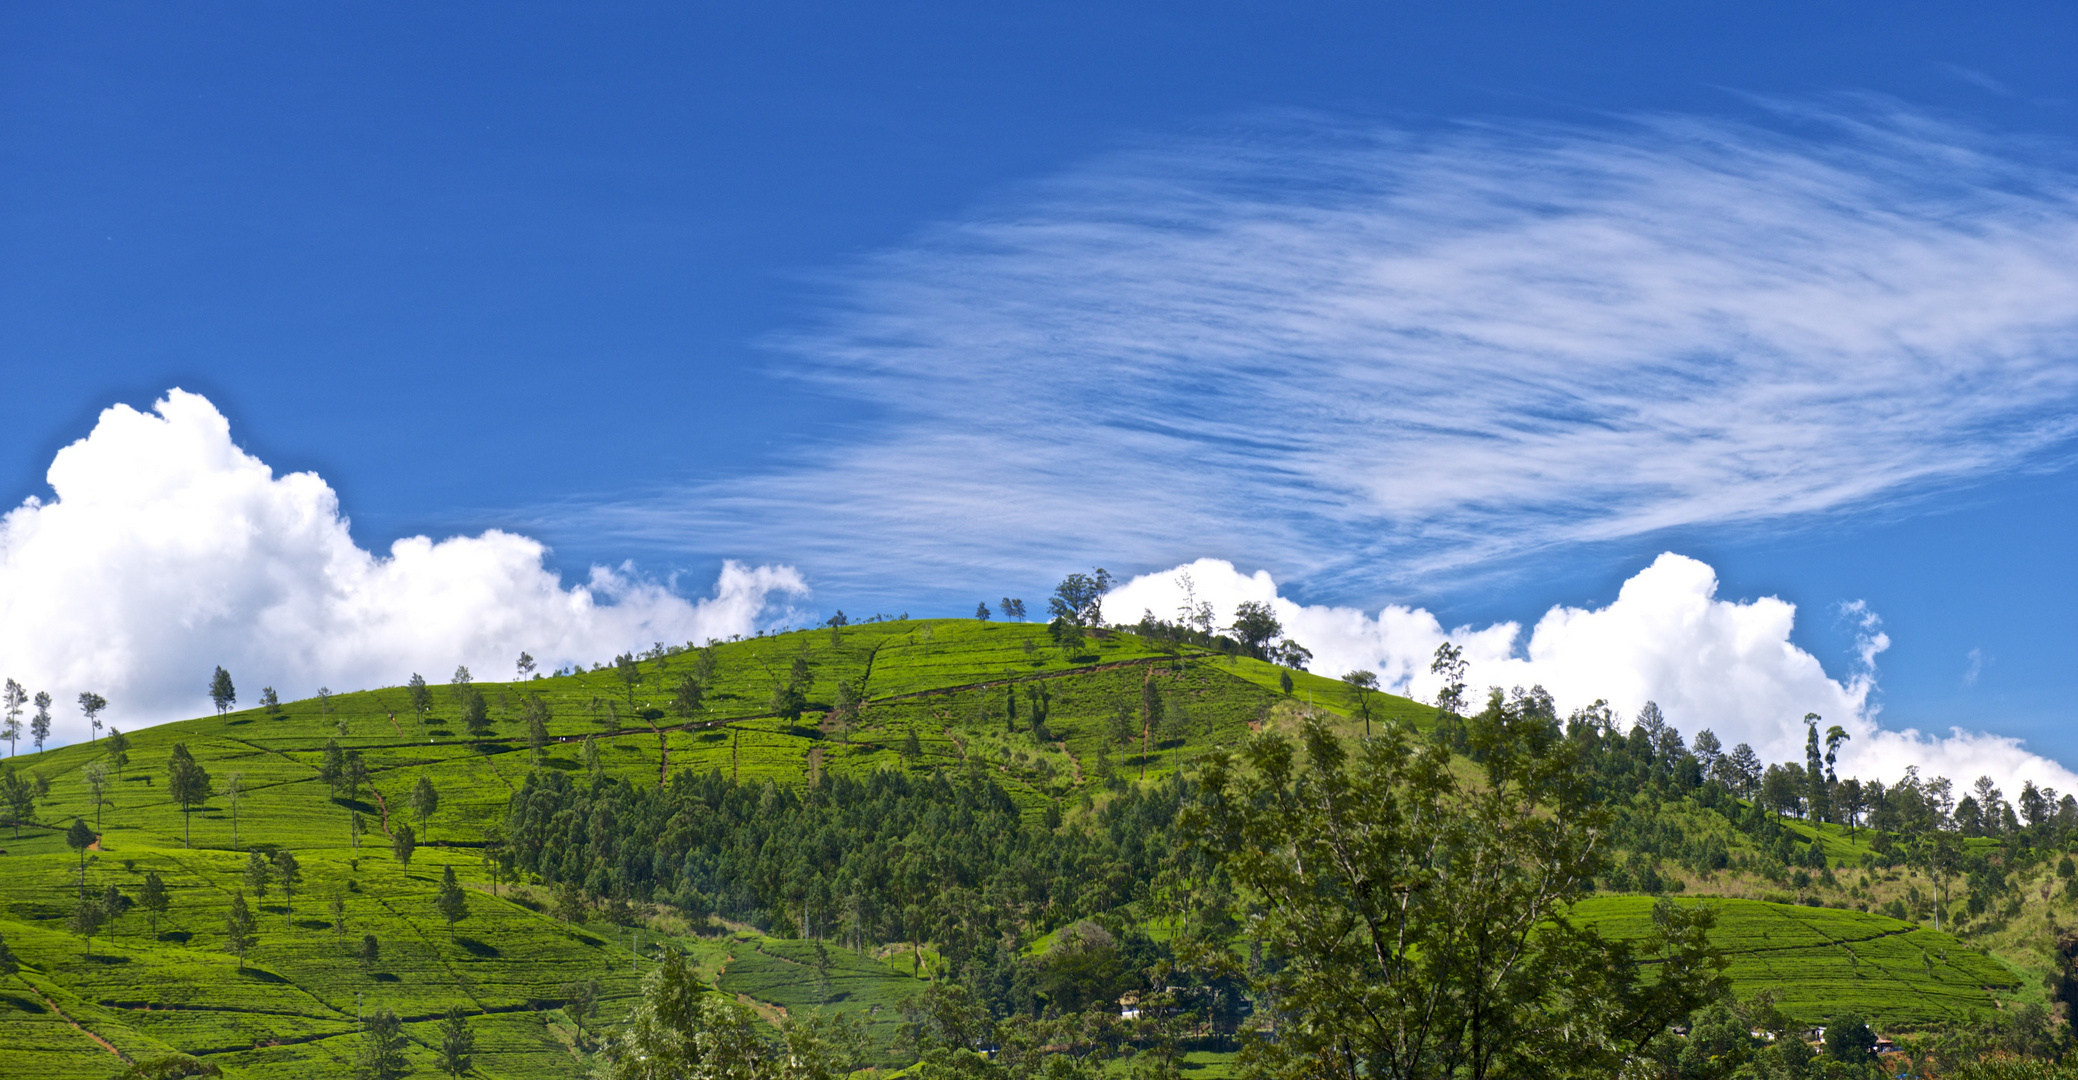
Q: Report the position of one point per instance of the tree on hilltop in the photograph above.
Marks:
(630, 674)
(525, 665)
(12, 698)
(40, 723)
(421, 697)
(221, 692)
(981, 611)
(476, 713)
(1013, 609)
(1079, 598)
(1255, 626)
(1361, 685)
(270, 702)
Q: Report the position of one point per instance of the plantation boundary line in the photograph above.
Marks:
(320, 1036)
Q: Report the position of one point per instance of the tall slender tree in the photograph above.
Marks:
(96, 775)
(424, 801)
(234, 793)
(40, 723)
(118, 749)
(452, 902)
(155, 901)
(12, 698)
(221, 692)
(187, 783)
(289, 871)
(240, 935)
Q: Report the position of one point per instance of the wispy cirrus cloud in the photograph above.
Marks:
(1361, 355)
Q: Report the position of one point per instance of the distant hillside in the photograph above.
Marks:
(975, 707)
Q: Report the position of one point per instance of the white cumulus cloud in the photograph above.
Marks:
(167, 550)
(1726, 665)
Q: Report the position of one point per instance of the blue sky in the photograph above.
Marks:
(681, 286)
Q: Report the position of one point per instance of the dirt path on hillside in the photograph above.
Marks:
(81, 1028)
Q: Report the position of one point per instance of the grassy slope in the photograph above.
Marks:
(294, 1004)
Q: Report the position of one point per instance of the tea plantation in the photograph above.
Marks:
(999, 700)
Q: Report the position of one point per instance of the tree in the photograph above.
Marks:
(289, 871)
(1707, 750)
(113, 904)
(370, 953)
(452, 902)
(40, 723)
(1293, 655)
(259, 876)
(476, 713)
(581, 1001)
(324, 699)
(912, 747)
(535, 712)
(1079, 598)
(155, 901)
(187, 784)
(593, 766)
(460, 684)
(353, 772)
(689, 697)
(382, 1048)
(402, 844)
(525, 665)
(1450, 663)
(1013, 609)
(86, 920)
(79, 838)
(221, 693)
(1361, 686)
(1818, 796)
(118, 749)
(12, 698)
(1284, 681)
(421, 696)
(240, 934)
(270, 702)
(338, 912)
(1067, 635)
(424, 801)
(457, 1042)
(1422, 921)
(630, 674)
(332, 767)
(96, 776)
(234, 793)
(1848, 1038)
(1254, 626)
(981, 611)
(9, 963)
(677, 1029)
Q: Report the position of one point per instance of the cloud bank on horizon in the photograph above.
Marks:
(168, 550)
(1363, 356)
(1725, 665)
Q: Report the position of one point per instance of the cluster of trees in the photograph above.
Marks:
(14, 700)
(945, 858)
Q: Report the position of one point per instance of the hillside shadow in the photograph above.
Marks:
(259, 975)
(106, 960)
(384, 976)
(21, 1003)
(478, 949)
(313, 924)
(238, 723)
(178, 937)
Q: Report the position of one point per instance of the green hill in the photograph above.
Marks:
(975, 704)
